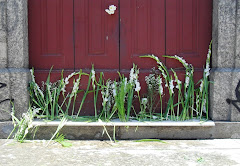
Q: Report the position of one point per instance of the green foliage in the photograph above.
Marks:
(151, 140)
(60, 126)
(200, 159)
(185, 99)
(192, 99)
(24, 124)
(60, 138)
(47, 97)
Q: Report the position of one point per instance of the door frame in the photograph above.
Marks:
(225, 61)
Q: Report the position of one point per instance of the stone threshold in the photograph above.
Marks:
(189, 123)
(133, 130)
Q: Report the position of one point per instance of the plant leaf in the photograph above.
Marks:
(151, 140)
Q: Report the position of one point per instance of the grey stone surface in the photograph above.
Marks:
(3, 44)
(215, 33)
(237, 56)
(166, 133)
(221, 130)
(226, 130)
(19, 79)
(224, 36)
(5, 107)
(225, 59)
(3, 54)
(17, 27)
(81, 133)
(235, 113)
(3, 30)
(220, 90)
(5, 129)
(15, 87)
(122, 153)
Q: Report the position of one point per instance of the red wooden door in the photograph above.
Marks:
(51, 34)
(188, 30)
(165, 27)
(96, 35)
(142, 32)
(74, 34)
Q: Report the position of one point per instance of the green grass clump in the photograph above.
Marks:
(151, 140)
(167, 97)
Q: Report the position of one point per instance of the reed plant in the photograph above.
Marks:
(191, 102)
(168, 83)
(117, 96)
(152, 81)
(132, 86)
(96, 86)
(188, 100)
(202, 95)
(24, 124)
(185, 99)
(120, 97)
(47, 97)
(108, 92)
(124, 90)
(85, 93)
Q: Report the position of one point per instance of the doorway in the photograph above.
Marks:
(74, 34)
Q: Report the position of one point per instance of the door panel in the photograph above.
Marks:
(96, 34)
(74, 34)
(142, 31)
(51, 34)
(96, 42)
(188, 30)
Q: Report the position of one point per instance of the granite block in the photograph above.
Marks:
(235, 112)
(3, 54)
(17, 28)
(5, 129)
(3, 44)
(5, 96)
(237, 56)
(3, 21)
(224, 33)
(19, 79)
(220, 90)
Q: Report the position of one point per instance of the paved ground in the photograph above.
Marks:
(100, 153)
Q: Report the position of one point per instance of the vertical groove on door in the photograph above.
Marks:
(119, 34)
(165, 21)
(165, 29)
(74, 48)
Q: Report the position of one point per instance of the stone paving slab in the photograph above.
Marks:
(224, 152)
(221, 130)
(189, 123)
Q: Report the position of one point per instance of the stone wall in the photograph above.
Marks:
(226, 60)
(14, 72)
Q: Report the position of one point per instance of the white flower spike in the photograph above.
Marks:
(138, 87)
(171, 86)
(111, 10)
(144, 101)
(112, 7)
